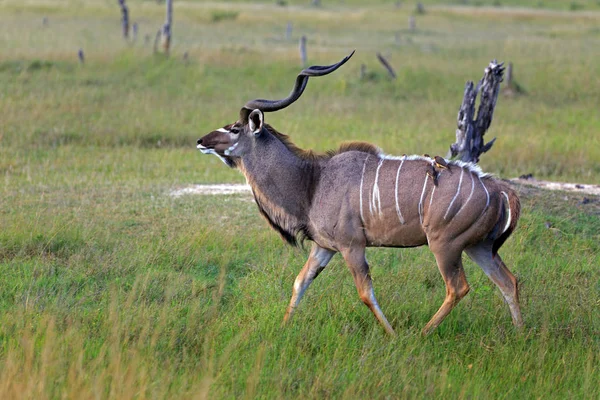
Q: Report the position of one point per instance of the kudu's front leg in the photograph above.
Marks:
(317, 261)
(356, 261)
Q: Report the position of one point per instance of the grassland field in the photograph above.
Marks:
(111, 288)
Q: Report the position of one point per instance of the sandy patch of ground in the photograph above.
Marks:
(567, 187)
(225, 188)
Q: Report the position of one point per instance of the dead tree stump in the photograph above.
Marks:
(165, 31)
(168, 28)
(511, 86)
(412, 23)
(124, 18)
(303, 55)
(469, 136)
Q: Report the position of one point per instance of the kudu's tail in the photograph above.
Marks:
(509, 216)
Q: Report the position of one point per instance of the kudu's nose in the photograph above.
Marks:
(199, 141)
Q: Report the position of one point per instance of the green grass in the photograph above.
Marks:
(110, 288)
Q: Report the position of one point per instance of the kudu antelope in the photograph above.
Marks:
(346, 200)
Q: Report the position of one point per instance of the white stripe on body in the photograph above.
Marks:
(362, 177)
(509, 216)
(462, 171)
(487, 202)
(396, 193)
(421, 201)
(433, 191)
(376, 196)
(470, 194)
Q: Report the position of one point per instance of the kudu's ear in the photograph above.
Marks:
(255, 121)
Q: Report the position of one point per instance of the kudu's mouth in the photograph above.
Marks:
(212, 150)
(205, 150)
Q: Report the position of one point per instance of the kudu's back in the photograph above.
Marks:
(410, 201)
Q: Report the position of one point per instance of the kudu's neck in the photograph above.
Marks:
(283, 184)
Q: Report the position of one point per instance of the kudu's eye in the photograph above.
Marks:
(235, 131)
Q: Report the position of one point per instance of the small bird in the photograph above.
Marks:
(434, 175)
(440, 162)
(426, 155)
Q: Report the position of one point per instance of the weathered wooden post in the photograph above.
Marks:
(156, 39)
(303, 55)
(469, 136)
(386, 65)
(124, 18)
(45, 21)
(509, 74)
(134, 31)
(81, 56)
(420, 8)
(511, 87)
(363, 72)
(288, 31)
(168, 28)
(412, 23)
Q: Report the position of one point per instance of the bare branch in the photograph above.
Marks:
(387, 65)
(469, 136)
(124, 18)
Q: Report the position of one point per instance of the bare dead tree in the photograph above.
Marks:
(156, 39)
(469, 136)
(124, 18)
(509, 74)
(511, 86)
(412, 23)
(164, 33)
(386, 65)
(134, 31)
(168, 28)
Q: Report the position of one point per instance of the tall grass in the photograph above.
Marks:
(110, 288)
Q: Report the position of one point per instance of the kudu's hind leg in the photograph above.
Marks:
(317, 261)
(357, 263)
(496, 270)
(451, 268)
